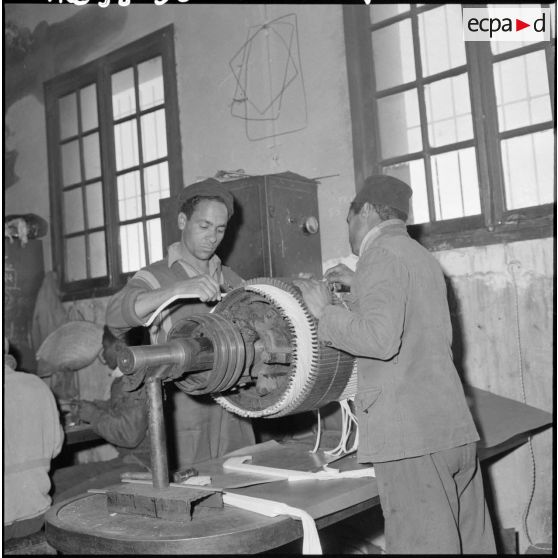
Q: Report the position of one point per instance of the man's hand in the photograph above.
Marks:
(204, 286)
(86, 410)
(340, 274)
(315, 294)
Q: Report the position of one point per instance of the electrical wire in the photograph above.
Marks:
(348, 420)
(291, 75)
(318, 433)
(512, 266)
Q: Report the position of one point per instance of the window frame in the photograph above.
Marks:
(495, 224)
(98, 71)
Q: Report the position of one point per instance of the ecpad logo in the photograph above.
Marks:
(506, 24)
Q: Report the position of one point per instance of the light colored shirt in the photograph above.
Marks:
(33, 436)
(178, 253)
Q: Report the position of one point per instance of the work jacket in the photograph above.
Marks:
(200, 429)
(410, 399)
(123, 420)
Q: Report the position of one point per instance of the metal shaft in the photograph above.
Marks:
(179, 355)
(157, 436)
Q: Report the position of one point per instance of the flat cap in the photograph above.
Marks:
(208, 187)
(386, 190)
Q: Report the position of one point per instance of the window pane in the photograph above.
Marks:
(448, 108)
(522, 91)
(97, 254)
(150, 78)
(88, 102)
(156, 183)
(412, 172)
(67, 108)
(155, 240)
(129, 196)
(379, 12)
(154, 135)
(71, 172)
(94, 200)
(394, 59)
(455, 184)
(441, 40)
(528, 163)
(91, 156)
(75, 259)
(126, 144)
(132, 246)
(399, 124)
(504, 46)
(73, 211)
(123, 93)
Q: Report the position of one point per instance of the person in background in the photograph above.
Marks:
(33, 436)
(200, 429)
(414, 422)
(122, 420)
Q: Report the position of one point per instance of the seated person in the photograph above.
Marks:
(32, 437)
(122, 420)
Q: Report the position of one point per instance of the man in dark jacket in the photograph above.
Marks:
(414, 422)
(122, 420)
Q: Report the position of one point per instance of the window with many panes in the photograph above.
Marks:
(114, 152)
(470, 126)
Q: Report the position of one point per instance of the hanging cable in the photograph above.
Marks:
(513, 266)
(318, 433)
(348, 420)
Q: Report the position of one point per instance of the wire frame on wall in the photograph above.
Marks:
(269, 94)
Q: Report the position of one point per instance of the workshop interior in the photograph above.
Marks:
(111, 109)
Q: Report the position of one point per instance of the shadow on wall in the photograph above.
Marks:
(33, 57)
(458, 344)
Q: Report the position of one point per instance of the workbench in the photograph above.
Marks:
(83, 525)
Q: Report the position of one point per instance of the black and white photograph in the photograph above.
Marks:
(279, 278)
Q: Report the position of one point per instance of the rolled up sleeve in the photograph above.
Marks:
(120, 314)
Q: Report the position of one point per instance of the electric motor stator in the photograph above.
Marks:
(257, 353)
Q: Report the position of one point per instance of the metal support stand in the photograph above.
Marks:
(157, 436)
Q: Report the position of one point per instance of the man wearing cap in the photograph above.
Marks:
(200, 428)
(414, 422)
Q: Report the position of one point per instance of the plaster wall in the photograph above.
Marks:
(485, 281)
(501, 298)
(206, 38)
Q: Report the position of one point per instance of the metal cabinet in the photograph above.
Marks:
(274, 231)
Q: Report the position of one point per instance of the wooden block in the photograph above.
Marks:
(175, 504)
